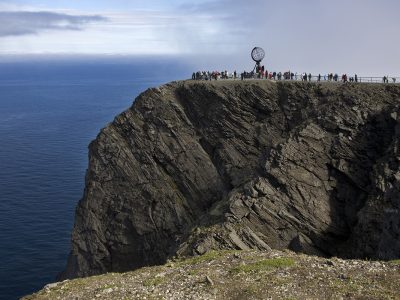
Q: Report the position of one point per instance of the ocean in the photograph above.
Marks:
(50, 110)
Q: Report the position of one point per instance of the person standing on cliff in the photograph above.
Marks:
(355, 78)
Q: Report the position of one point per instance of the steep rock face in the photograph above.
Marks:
(193, 166)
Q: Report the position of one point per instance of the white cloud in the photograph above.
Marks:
(140, 32)
(26, 23)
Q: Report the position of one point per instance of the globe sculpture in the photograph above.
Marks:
(257, 54)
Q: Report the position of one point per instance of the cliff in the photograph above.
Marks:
(195, 166)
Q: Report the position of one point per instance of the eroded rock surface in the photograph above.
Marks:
(194, 166)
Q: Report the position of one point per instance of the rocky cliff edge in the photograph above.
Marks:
(195, 166)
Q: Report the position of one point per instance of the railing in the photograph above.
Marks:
(325, 78)
(362, 79)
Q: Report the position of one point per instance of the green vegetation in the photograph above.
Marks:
(395, 261)
(107, 286)
(265, 264)
(153, 281)
(208, 256)
(194, 272)
(353, 288)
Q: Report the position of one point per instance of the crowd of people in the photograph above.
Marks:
(207, 75)
(261, 73)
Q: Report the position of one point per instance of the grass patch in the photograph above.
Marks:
(107, 286)
(265, 264)
(395, 262)
(208, 256)
(194, 272)
(153, 281)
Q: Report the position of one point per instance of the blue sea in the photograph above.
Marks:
(50, 110)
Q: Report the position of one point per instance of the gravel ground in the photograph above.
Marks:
(240, 275)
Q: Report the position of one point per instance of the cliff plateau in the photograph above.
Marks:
(199, 166)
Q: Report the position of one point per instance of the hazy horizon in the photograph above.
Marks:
(192, 63)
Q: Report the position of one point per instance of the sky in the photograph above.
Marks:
(303, 35)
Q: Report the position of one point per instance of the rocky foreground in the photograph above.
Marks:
(199, 166)
(240, 275)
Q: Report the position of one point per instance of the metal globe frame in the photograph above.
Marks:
(257, 54)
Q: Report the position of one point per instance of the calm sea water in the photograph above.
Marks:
(49, 112)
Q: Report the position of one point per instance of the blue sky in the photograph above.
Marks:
(305, 35)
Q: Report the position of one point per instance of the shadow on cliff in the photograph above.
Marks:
(357, 143)
(351, 171)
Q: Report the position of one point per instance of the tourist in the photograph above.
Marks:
(286, 75)
(335, 77)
